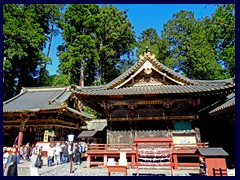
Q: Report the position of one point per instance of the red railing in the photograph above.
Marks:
(146, 149)
(111, 147)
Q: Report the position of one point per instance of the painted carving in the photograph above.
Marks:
(132, 105)
(106, 105)
(167, 104)
(194, 102)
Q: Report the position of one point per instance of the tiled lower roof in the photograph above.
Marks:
(40, 99)
(212, 152)
(32, 101)
(156, 89)
(87, 134)
(230, 102)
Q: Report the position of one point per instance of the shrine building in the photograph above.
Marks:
(147, 100)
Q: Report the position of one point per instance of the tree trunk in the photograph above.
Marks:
(81, 78)
(43, 69)
(50, 40)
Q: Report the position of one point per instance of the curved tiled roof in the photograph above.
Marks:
(157, 89)
(230, 102)
(41, 98)
(35, 99)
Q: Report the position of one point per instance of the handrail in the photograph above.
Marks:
(130, 147)
(189, 146)
(111, 147)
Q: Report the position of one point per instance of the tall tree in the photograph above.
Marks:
(79, 47)
(191, 52)
(148, 38)
(160, 47)
(25, 30)
(221, 34)
(115, 38)
(52, 13)
(95, 39)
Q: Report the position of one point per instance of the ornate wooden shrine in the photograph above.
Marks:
(151, 100)
(42, 113)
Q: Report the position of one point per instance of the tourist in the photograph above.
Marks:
(57, 154)
(5, 157)
(70, 150)
(32, 149)
(50, 155)
(34, 158)
(21, 151)
(61, 152)
(65, 154)
(203, 167)
(12, 163)
(27, 152)
(77, 154)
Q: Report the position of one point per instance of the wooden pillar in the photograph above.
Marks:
(175, 162)
(20, 134)
(133, 161)
(88, 161)
(105, 159)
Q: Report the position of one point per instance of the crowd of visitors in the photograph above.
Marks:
(57, 153)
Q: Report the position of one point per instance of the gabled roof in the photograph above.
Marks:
(37, 99)
(229, 103)
(147, 60)
(146, 66)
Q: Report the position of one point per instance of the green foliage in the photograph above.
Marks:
(148, 38)
(99, 40)
(25, 30)
(60, 80)
(221, 29)
(204, 48)
(95, 39)
(92, 112)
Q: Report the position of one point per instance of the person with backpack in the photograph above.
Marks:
(77, 154)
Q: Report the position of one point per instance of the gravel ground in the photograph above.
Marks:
(82, 170)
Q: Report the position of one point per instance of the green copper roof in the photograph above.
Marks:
(41, 98)
(157, 89)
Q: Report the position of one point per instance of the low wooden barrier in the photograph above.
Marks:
(186, 151)
(117, 168)
(110, 150)
(106, 151)
(219, 172)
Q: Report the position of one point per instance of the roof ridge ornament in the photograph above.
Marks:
(147, 53)
(147, 50)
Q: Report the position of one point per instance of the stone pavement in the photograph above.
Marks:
(81, 170)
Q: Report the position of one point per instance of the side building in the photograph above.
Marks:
(42, 114)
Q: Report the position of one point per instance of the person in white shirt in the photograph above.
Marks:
(33, 169)
(50, 154)
(5, 157)
(58, 150)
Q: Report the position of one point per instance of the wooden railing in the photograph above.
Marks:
(190, 146)
(134, 150)
(111, 147)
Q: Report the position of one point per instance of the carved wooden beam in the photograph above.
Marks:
(192, 117)
(41, 121)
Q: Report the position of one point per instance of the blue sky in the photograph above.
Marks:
(144, 16)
